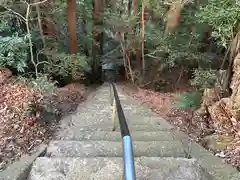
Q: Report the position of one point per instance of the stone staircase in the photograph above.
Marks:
(87, 148)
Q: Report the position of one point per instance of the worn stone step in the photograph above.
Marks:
(132, 128)
(147, 168)
(103, 111)
(114, 149)
(87, 118)
(75, 134)
(216, 166)
(108, 120)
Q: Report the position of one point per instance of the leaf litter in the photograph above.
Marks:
(21, 132)
(196, 126)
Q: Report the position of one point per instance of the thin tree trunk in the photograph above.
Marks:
(129, 7)
(135, 7)
(71, 18)
(86, 51)
(142, 38)
(96, 36)
(101, 39)
(40, 23)
(48, 19)
(173, 16)
(136, 13)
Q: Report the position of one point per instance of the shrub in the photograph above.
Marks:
(187, 100)
(62, 64)
(13, 53)
(204, 78)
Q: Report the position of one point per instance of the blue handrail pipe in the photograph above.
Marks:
(128, 157)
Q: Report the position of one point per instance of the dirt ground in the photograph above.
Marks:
(20, 132)
(196, 127)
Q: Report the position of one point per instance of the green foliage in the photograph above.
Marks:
(31, 109)
(187, 100)
(48, 107)
(67, 64)
(44, 87)
(42, 83)
(159, 9)
(4, 24)
(13, 53)
(204, 78)
(182, 45)
(83, 24)
(223, 16)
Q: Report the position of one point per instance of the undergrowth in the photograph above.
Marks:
(188, 100)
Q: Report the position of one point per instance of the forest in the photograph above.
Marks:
(189, 48)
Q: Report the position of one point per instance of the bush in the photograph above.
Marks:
(223, 17)
(13, 53)
(190, 100)
(204, 78)
(62, 64)
(42, 83)
(43, 86)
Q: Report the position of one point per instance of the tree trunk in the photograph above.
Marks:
(129, 7)
(40, 23)
(173, 16)
(96, 37)
(71, 19)
(135, 7)
(136, 12)
(142, 38)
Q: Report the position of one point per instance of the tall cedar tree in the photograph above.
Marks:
(136, 13)
(142, 26)
(71, 19)
(97, 37)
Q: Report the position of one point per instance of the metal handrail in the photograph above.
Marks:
(128, 158)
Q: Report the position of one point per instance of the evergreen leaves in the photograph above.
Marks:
(189, 100)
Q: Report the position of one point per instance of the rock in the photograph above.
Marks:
(202, 111)
(209, 97)
(221, 116)
(221, 154)
(235, 97)
(216, 142)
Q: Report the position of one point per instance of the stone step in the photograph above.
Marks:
(147, 168)
(103, 110)
(107, 118)
(132, 128)
(75, 134)
(114, 149)
(86, 118)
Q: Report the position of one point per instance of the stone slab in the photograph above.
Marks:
(114, 149)
(112, 169)
(215, 165)
(97, 109)
(106, 117)
(76, 135)
(108, 127)
(20, 169)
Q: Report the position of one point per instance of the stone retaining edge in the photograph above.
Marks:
(19, 170)
(215, 166)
